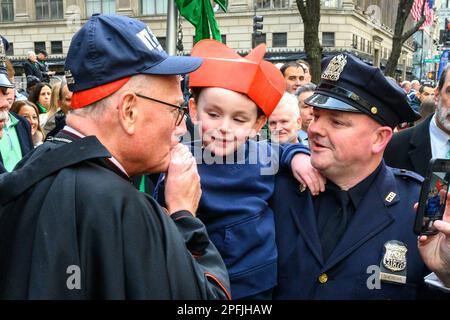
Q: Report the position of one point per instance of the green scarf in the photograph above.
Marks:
(41, 108)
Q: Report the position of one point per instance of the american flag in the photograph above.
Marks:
(416, 11)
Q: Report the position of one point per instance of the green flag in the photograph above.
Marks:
(200, 14)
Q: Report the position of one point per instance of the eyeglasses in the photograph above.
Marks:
(182, 110)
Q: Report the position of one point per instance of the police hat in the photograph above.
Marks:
(348, 84)
(4, 80)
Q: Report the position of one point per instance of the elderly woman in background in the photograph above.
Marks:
(30, 112)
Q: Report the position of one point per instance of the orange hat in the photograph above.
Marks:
(222, 67)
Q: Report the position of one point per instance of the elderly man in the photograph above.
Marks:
(355, 240)
(306, 111)
(285, 120)
(32, 69)
(413, 148)
(72, 224)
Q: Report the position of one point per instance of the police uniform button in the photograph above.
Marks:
(323, 278)
(374, 110)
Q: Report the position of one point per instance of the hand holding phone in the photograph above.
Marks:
(433, 196)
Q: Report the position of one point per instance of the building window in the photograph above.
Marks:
(363, 45)
(162, 42)
(57, 47)
(100, 6)
(369, 47)
(10, 51)
(49, 9)
(355, 42)
(259, 39)
(279, 39)
(223, 38)
(153, 7)
(39, 46)
(328, 39)
(272, 4)
(6, 10)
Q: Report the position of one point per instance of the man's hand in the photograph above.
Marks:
(435, 249)
(182, 185)
(308, 176)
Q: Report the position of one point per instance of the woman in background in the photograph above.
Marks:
(40, 96)
(30, 112)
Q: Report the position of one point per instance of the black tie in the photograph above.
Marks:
(336, 224)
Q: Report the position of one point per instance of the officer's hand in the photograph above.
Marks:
(182, 185)
(308, 176)
(435, 249)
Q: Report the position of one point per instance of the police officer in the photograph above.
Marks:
(355, 240)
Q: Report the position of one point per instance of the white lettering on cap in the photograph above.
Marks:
(149, 39)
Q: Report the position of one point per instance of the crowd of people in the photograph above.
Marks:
(99, 177)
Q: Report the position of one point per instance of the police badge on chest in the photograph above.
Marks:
(393, 264)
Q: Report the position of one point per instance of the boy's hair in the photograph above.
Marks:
(196, 91)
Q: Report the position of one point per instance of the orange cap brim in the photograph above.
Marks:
(87, 97)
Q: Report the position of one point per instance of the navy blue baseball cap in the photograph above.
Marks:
(4, 80)
(348, 84)
(108, 50)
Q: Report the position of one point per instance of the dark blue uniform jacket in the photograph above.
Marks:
(385, 213)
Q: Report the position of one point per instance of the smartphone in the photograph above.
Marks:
(433, 196)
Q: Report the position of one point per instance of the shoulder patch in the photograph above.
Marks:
(405, 174)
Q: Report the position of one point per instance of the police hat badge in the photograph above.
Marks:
(335, 68)
(393, 265)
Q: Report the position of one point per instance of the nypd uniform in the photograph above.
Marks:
(355, 244)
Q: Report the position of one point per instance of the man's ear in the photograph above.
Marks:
(299, 123)
(260, 122)
(127, 112)
(193, 110)
(382, 136)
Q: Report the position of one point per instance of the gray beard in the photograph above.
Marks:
(3, 115)
(442, 115)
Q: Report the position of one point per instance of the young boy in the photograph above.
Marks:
(232, 98)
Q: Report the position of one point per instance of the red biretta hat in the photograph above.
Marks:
(222, 67)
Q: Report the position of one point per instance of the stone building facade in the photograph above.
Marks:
(363, 27)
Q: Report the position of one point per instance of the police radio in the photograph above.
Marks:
(433, 196)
